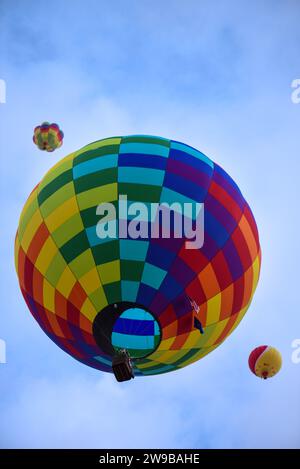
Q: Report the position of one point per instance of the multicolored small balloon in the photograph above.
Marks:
(265, 361)
(48, 136)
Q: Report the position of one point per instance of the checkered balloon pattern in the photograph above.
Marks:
(68, 275)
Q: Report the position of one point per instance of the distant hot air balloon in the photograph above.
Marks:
(48, 136)
(148, 300)
(265, 361)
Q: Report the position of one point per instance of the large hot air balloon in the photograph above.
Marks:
(48, 136)
(155, 300)
(265, 361)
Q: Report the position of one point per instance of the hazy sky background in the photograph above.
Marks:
(216, 75)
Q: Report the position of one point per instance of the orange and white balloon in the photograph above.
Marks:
(265, 361)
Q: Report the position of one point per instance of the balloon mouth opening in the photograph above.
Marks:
(265, 374)
(127, 326)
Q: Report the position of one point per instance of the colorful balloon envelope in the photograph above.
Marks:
(265, 361)
(48, 136)
(166, 303)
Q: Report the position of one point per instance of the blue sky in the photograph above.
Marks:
(216, 75)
